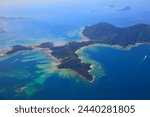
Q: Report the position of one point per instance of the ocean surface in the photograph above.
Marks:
(122, 75)
(35, 31)
(119, 74)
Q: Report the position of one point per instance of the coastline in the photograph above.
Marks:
(84, 38)
(57, 62)
(3, 51)
(128, 48)
(48, 51)
(93, 63)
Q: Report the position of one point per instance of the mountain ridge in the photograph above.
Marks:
(124, 36)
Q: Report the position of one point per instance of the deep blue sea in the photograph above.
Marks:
(119, 74)
(126, 76)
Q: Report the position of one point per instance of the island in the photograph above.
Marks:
(18, 48)
(109, 34)
(3, 20)
(101, 33)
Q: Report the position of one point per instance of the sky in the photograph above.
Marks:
(38, 3)
(33, 2)
(60, 9)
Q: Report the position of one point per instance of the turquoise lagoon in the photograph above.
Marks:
(119, 74)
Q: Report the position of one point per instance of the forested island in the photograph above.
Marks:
(107, 33)
(102, 33)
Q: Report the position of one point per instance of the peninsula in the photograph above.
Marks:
(101, 33)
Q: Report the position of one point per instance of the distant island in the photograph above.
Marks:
(6, 19)
(106, 33)
(3, 18)
(101, 33)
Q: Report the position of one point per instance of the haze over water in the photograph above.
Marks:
(61, 21)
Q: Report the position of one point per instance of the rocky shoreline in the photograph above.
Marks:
(66, 57)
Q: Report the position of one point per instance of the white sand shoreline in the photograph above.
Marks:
(48, 52)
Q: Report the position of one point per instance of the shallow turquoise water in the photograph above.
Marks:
(125, 76)
(35, 31)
